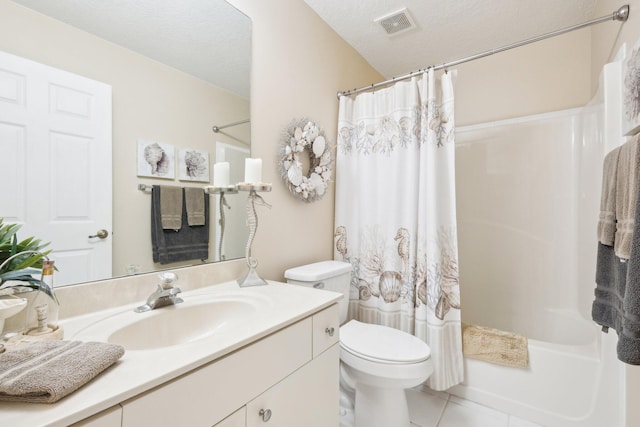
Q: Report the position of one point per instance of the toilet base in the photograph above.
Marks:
(381, 407)
(347, 405)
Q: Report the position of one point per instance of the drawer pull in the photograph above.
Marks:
(329, 331)
(265, 414)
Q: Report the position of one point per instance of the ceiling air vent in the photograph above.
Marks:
(396, 22)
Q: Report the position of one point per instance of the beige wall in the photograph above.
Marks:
(150, 101)
(549, 75)
(607, 38)
(299, 64)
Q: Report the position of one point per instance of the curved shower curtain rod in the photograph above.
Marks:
(217, 129)
(622, 14)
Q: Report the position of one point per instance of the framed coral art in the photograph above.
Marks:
(193, 165)
(156, 159)
(631, 92)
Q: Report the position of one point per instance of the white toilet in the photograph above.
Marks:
(378, 362)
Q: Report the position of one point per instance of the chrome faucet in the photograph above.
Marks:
(166, 294)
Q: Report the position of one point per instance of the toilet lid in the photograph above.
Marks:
(382, 343)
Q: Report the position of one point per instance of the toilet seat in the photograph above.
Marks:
(382, 344)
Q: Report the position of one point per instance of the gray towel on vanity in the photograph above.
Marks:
(47, 371)
(189, 243)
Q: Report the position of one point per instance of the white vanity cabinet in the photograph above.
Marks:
(111, 417)
(293, 373)
(237, 419)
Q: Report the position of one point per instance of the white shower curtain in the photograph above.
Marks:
(395, 214)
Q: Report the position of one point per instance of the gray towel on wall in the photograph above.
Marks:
(611, 280)
(617, 293)
(190, 243)
(607, 219)
(194, 201)
(171, 207)
(626, 194)
(47, 371)
(629, 336)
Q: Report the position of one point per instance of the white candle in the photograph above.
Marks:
(221, 174)
(252, 171)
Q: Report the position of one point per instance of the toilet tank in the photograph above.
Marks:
(329, 275)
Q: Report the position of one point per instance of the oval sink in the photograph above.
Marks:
(192, 320)
(179, 324)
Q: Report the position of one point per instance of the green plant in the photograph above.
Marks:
(20, 260)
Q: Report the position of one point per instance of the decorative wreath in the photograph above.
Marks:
(299, 136)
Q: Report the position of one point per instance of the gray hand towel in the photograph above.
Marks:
(607, 219)
(626, 189)
(171, 207)
(194, 201)
(47, 371)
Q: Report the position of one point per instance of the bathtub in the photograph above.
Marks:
(527, 204)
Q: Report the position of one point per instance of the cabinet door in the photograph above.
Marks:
(308, 397)
(111, 417)
(237, 419)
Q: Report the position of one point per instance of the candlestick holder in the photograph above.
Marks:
(221, 191)
(252, 278)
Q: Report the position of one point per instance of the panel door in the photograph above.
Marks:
(55, 163)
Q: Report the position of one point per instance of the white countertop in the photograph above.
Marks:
(139, 371)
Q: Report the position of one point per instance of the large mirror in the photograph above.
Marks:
(175, 70)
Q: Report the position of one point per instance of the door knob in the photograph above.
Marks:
(101, 234)
(265, 414)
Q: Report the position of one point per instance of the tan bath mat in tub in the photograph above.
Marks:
(495, 346)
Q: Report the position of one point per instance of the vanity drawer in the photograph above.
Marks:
(326, 329)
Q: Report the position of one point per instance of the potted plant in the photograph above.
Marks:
(20, 260)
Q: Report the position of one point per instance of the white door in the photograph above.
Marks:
(55, 164)
(235, 215)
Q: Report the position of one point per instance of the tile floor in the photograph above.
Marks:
(438, 409)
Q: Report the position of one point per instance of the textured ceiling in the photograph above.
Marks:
(202, 37)
(209, 39)
(446, 29)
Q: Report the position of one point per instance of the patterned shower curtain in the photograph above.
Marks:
(396, 216)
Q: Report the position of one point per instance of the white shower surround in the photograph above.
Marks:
(528, 194)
